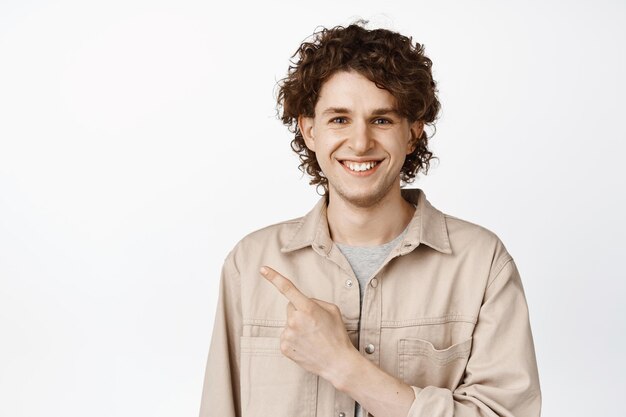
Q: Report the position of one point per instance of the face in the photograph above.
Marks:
(359, 139)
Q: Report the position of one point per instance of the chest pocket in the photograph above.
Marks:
(272, 384)
(421, 365)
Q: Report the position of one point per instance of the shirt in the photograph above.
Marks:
(364, 261)
(445, 313)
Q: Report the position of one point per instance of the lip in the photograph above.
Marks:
(359, 160)
(360, 173)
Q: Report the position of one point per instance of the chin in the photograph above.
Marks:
(361, 199)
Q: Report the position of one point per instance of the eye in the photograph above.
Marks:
(384, 121)
(340, 120)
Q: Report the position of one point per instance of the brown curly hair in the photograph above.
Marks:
(387, 58)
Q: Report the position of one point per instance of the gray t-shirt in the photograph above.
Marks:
(365, 260)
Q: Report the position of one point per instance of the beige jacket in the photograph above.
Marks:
(446, 313)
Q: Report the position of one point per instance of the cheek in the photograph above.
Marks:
(408, 147)
(325, 164)
(400, 150)
(322, 158)
(325, 146)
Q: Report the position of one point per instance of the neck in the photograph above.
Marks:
(368, 226)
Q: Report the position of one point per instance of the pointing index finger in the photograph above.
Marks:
(287, 288)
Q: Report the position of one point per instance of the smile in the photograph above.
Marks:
(360, 168)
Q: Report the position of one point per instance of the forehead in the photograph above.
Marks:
(350, 89)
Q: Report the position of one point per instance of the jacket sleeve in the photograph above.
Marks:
(501, 377)
(221, 392)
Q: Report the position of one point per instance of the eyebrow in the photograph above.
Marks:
(376, 112)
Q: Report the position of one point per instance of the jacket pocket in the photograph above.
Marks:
(421, 365)
(272, 384)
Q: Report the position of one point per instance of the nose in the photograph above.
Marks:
(360, 140)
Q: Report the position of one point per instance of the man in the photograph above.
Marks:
(375, 301)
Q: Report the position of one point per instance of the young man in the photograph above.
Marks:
(375, 301)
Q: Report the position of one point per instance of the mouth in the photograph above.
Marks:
(360, 167)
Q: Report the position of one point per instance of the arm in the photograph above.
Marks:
(220, 393)
(378, 392)
(501, 377)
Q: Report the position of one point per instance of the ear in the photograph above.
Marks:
(416, 129)
(306, 127)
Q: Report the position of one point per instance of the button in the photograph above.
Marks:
(374, 282)
(349, 283)
(342, 414)
(369, 348)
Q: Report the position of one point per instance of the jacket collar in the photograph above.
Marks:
(427, 226)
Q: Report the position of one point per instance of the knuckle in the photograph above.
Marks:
(287, 335)
(286, 288)
(314, 320)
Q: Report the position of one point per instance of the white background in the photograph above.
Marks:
(139, 143)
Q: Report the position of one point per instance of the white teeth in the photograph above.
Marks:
(363, 166)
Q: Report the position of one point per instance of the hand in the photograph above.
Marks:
(315, 336)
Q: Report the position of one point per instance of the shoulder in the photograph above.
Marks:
(462, 228)
(474, 240)
(270, 238)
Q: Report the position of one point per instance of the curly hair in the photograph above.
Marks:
(387, 58)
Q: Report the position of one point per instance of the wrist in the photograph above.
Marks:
(342, 374)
